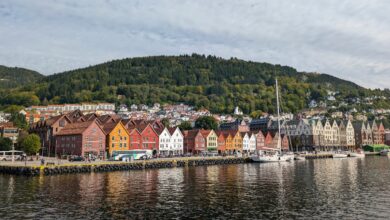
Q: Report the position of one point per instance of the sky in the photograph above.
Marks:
(347, 39)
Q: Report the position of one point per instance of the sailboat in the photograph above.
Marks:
(276, 155)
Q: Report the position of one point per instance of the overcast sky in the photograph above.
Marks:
(347, 39)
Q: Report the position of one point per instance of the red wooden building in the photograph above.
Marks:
(194, 142)
(149, 138)
(221, 142)
(260, 141)
(82, 139)
(135, 140)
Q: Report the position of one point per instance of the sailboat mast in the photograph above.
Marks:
(278, 110)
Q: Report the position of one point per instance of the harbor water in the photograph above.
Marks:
(352, 188)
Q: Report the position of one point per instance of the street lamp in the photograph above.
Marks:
(13, 138)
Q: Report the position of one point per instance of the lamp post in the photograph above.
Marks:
(13, 138)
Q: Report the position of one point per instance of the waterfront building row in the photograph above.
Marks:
(321, 134)
(77, 134)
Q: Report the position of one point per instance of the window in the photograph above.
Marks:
(113, 138)
(113, 145)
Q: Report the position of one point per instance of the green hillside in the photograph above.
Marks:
(203, 81)
(11, 77)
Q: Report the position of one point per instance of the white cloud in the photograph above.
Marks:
(348, 39)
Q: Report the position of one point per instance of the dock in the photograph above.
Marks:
(107, 166)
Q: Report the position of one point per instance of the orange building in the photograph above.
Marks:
(236, 140)
(117, 137)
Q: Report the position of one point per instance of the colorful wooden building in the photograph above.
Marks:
(82, 139)
(117, 137)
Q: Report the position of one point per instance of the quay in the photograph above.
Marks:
(107, 166)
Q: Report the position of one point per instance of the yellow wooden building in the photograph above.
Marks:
(117, 137)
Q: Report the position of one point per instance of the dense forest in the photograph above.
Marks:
(11, 77)
(202, 81)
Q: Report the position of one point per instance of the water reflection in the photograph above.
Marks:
(330, 188)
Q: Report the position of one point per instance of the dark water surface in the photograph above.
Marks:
(314, 189)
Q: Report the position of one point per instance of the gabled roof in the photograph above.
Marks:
(77, 128)
(172, 130)
(133, 130)
(191, 133)
(108, 127)
(358, 125)
(204, 133)
(259, 132)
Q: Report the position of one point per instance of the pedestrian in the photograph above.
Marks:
(42, 161)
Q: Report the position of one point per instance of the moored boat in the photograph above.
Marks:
(275, 155)
(340, 155)
(299, 157)
(384, 152)
(357, 154)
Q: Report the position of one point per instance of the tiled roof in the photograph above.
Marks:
(172, 130)
(76, 128)
(204, 133)
(108, 127)
(191, 133)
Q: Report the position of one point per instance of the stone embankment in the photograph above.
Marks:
(119, 166)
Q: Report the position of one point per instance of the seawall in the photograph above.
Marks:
(117, 166)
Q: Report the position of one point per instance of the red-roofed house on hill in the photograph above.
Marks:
(82, 139)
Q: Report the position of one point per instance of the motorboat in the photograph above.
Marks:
(276, 157)
(359, 154)
(299, 157)
(340, 155)
(384, 152)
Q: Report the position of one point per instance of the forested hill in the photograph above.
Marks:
(11, 77)
(203, 81)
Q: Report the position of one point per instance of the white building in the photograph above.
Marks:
(252, 143)
(245, 142)
(165, 142)
(177, 141)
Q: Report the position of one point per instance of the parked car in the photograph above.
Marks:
(76, 158)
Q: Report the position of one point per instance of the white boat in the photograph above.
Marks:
(384, 153)
(340, 155)
(359, 154)
(272, 158)
(299, 157)
(276, 155)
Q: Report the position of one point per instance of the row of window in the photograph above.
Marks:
(120, 145)
(120, 138)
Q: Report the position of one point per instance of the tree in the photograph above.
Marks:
(206, 122)
(5, 144)
(165, 122)
(256, 114)
(19, 120)
(31, 144)
(185, 125)
(22, 135)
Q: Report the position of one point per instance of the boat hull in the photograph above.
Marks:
(340, 155)
(360, 155)
(271, 159)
